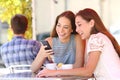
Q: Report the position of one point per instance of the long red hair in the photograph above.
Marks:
(89, 14)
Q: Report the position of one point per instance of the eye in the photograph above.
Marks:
(66, 27)
(58, 25)
(78, 24)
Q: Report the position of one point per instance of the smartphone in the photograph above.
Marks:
(47, 48)
(44, 42)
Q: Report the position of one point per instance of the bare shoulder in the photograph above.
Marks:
(79, 40)
(77, 37)
(49, 39)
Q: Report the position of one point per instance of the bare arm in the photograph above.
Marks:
(80, 50)
(40, 58)
(87, 70)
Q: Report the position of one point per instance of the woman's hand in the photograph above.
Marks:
(47, 73)
(44, 53)
(40, 58)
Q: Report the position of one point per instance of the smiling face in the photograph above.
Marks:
(83, 27)
(64, 29)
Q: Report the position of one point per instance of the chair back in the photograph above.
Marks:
(19, 68)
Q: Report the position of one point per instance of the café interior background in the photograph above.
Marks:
(45, 12)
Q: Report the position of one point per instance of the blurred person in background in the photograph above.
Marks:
(19, 51)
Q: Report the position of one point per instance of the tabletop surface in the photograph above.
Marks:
(31, 76)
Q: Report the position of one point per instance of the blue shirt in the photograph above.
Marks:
(19, 51)
(64, 52)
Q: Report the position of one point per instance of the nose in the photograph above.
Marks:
(61, 30)
(76, 29)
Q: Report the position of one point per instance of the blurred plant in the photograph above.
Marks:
(9, 8)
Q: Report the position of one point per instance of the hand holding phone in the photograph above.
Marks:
(45, 43)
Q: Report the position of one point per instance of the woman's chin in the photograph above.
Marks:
(82, 37)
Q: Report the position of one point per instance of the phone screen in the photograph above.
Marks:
(47, 48)
(46, 43)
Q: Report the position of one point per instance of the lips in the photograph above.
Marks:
(80, 33)
(61, 35)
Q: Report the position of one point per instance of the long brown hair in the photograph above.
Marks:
(89, 14)
(69, 15)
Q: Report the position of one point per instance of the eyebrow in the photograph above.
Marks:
(64, 25)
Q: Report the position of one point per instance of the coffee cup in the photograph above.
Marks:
(67, 66)
(51, 66)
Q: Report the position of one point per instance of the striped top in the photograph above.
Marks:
(64, 52)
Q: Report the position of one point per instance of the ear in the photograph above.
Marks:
(92, 23)
(11, 28)
(27, 27)
(72, 30)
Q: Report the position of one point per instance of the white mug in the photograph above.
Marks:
(51, 66)
(67, 66)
